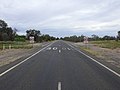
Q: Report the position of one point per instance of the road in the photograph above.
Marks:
(59, 66)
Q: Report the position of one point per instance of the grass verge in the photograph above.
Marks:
(15, 45)
(110, 44)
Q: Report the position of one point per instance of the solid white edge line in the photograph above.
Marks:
(3, 73)
(96, 61)
(59, 86)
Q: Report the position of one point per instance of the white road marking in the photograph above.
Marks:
(63, 48)
(24, 60)
(54, 48)
(49, 48)
(68, 48)
(96, 61)
(59, 51)
(59, 86)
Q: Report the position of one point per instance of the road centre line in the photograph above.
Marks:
(59, 51)
(59, 86)
(3, 73)
(95, 61)
(63, 48)
(68, 48)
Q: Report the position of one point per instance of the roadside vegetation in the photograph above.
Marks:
(111, 44)
(9, 39)
(15, 45)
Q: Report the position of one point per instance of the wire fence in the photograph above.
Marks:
(14, 45)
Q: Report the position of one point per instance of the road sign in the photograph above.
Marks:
(85, 40)
(31, 39)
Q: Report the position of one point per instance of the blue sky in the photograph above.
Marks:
(63, 17)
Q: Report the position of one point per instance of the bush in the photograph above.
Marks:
(21, 39)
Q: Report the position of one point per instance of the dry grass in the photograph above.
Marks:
(90, 51)
(111, 44)
(15, 45)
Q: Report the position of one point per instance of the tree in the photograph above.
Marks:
(57, 38)
(46, 37)
(3, 24)
(20, 38)
(52, 38)
(118, 34)
(5, 37)
(61, 38)
(95, 37)
(81, 38)
(6, 33)
(74, 38)
(34, 33)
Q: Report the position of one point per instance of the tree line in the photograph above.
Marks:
(9, 34)
(38, 37)
(93, 37)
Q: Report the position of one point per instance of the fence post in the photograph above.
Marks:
(3, 47)
(9, 46)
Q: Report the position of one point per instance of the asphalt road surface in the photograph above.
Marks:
(59, 66)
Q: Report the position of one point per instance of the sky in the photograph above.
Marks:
(62, 18)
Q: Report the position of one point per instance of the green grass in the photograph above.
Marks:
(15, 45)
(111, 44)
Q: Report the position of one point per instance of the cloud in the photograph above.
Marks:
(62, 16)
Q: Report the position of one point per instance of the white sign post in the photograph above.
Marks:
(85, 40)
(32, 39)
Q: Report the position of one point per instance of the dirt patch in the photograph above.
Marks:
(110, 56)
(9, 55)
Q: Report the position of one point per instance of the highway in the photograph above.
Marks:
(59, 66)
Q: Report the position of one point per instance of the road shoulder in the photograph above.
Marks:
(110, 58)
(15, 56)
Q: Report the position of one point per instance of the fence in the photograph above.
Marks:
(15, 45)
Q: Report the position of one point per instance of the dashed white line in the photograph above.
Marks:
(59, 86)
(68, 48)
(96, 61)
(63, 48)
(24, 61)
(59, 51)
